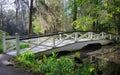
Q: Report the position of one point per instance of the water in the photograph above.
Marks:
(107, 56)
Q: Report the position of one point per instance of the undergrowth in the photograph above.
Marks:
(53, 65)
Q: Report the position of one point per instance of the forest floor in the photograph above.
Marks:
(7, 68)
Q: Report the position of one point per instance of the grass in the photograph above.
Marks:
(22, 46)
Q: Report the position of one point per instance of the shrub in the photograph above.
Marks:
(53, 65)
(26, 60)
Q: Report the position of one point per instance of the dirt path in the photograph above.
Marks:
(10, 70)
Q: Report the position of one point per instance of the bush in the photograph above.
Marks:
(26, 60)
(53, 66)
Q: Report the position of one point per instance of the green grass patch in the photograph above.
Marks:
(22, 46)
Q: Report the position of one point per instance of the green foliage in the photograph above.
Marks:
(53, 65)
(118, 41)
(27, 61)
(84, 23)
(1, 35)
(103, 14)
(22, 46)
(37, 27)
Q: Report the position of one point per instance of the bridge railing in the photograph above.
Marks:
(49, 41)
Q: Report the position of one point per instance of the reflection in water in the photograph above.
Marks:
(105, 58)
(109, 56)
(112, 68)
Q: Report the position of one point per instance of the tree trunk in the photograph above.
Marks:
(1, 17)
(75, 13)
(118, 24)
(30, 18)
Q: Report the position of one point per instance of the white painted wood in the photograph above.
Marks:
(63, 43)
(76, 36)
(53, 40)
(60, 36)
(4, 42)
(17, 44)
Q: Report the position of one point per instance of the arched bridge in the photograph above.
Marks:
(56, 42)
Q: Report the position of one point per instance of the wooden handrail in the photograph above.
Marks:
(48, 34)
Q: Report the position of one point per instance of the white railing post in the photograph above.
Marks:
(116, 36)
(110, 37)
(53, 40)
(17, 44)
(97, 36)
(38, 40)
(76, 37)
(60, 36)
(4, 42)
(91, 35)
(102, 35)
(105, 36)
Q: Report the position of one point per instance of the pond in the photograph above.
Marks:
(91, 60)
(105, 57)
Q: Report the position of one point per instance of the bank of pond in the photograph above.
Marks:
(97, 60)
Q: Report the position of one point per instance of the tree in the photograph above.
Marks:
(30, 17)
(49, 15)
(96, 15)
(22, 11)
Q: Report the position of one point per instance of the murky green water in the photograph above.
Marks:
(105, 57)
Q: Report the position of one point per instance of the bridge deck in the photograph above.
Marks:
(67, 45)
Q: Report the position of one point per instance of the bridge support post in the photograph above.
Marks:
(53, 40)
(91, 35)
(97, 36)
(38, 40)
(116, 38)
(102, 35)
(110, 37)
(17, 44)
(60, 36)
(76, 37)
(4, 42)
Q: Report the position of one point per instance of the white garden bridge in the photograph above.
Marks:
(55, 42)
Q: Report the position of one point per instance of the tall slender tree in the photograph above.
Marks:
(30, 18)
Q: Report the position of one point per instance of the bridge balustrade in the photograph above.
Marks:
(51, 40)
